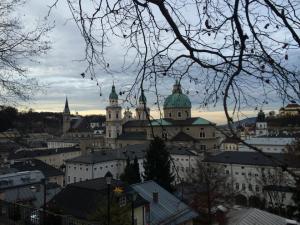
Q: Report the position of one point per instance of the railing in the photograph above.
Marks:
(19, 214)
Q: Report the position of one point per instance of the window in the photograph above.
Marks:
(122, 201)
(250, 187)
(237, 186)
(117, 115)
(74, 179)
(87, 169)
(68, 179)
(187, 128)
(202, 147)
(236, 173)
(243, 187)
(179, 114)
(202, 133)
(109, 115)
(170, 114)
(74, 167)
(257, 188)
(227, 171)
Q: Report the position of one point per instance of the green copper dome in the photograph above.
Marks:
(113, 95)
(177, 99)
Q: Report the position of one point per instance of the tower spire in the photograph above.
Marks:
(66, 109)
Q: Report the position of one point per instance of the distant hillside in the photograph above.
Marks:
(35, 122)
(247, 121)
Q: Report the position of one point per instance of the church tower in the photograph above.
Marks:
(113, 119)
(261, 124)
(142, 111)
(66, 118)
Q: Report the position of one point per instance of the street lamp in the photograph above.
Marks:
(133, 198)
(108, 178)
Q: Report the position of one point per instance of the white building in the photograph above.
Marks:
(250, 173)
(269, 144)
(97, 164)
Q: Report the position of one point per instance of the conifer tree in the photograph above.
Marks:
(136, 170)
(131, 173)
(157, 164)
(125, 176)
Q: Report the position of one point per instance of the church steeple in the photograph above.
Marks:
(66, 118)
(142, 111)
(66, 109)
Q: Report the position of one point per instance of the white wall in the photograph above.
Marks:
(76, 172)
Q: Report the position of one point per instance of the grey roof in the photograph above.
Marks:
(169, 209)
(41, 152)
(254, 216)
(254, 158)
(26, 193)
(122, 153)
(35, 164)
(279, 188)
(181, 136)
(133, 136)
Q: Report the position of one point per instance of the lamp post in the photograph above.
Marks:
(133, 198)
(45, 201)
(108, 178)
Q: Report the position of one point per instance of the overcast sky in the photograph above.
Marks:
(59, 71)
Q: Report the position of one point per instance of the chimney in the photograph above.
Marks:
(155, 196)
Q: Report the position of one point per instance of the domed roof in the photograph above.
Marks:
(177, 99)
(113, 95)
(261, 116)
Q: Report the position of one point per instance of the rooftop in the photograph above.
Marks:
(122, 153)
(253, 158)
(31, 153)
(181, 136)
(89, 196)
(254, 216)
(169, 209)
(35, 164)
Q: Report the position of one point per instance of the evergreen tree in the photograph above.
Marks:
(131, 173)
(157, 164)
(136, 170)
(125, 176)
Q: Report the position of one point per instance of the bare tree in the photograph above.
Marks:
(237, 53)
(266, 185)
(211, 186)
(18, 44)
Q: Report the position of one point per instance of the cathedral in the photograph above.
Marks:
(177, 127)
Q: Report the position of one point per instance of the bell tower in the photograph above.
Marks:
(113, 119)
(66, 118)
(261, 124)
(142, 111)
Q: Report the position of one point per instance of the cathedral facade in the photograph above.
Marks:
(177, 127)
